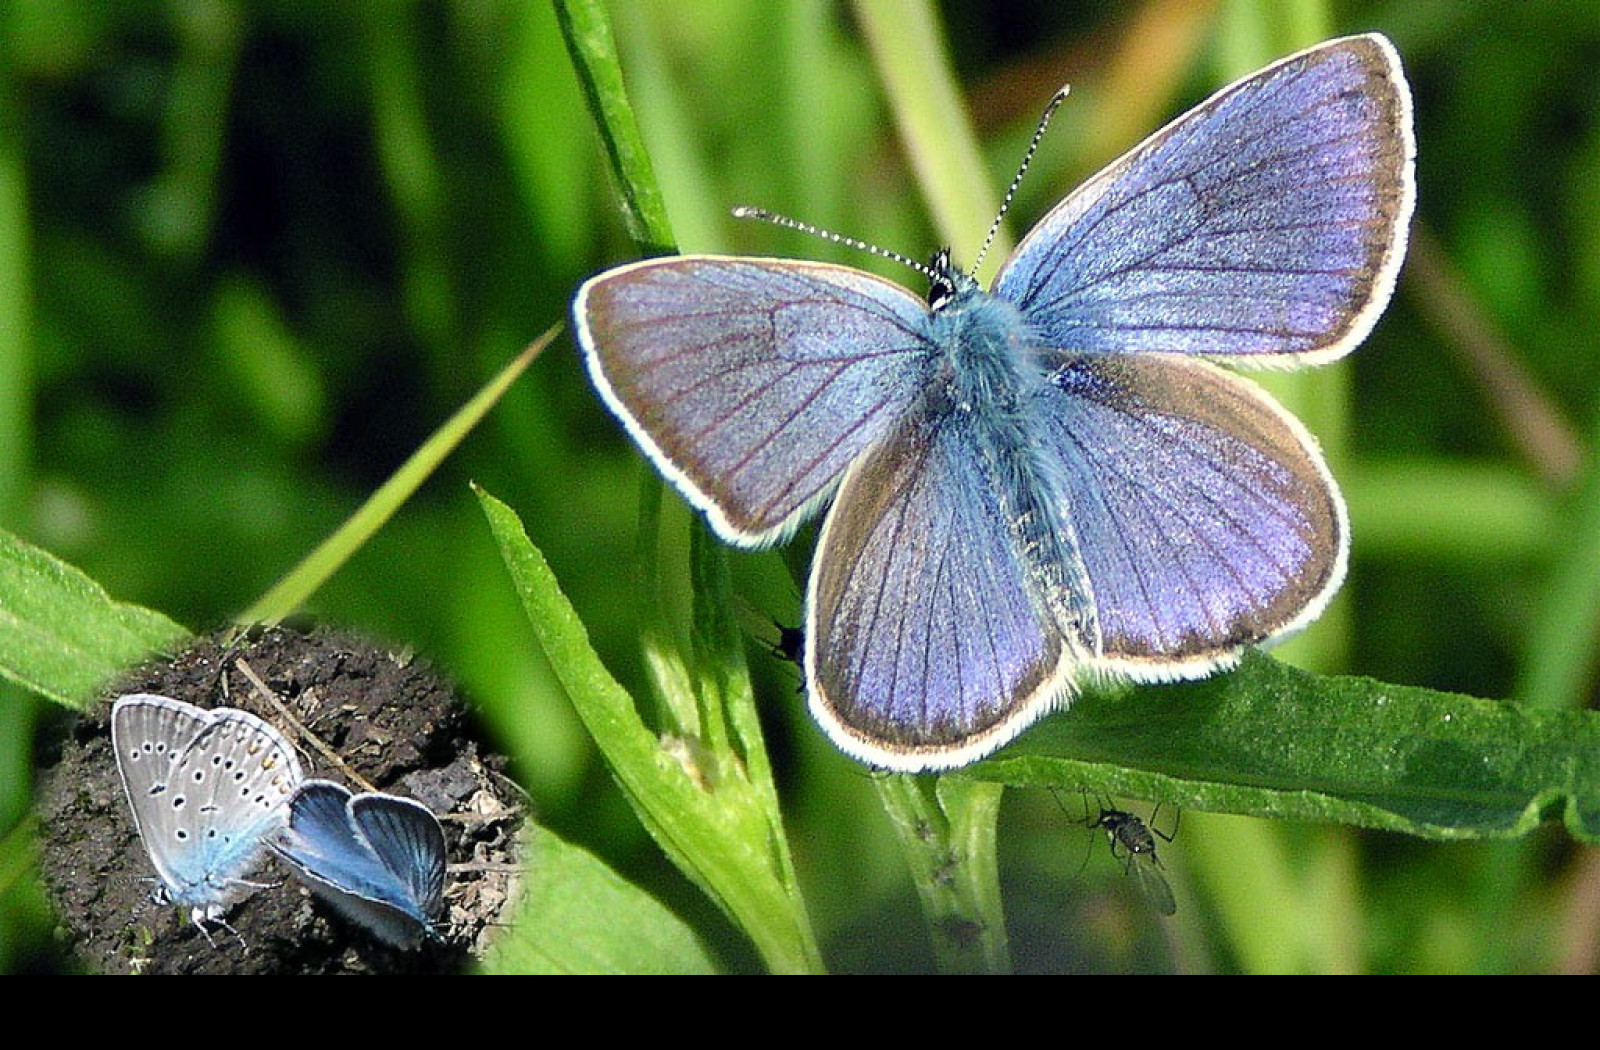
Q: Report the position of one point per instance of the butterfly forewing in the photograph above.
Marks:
(322, 844)
(1207, 518)
(1270, 220)
(318, 823)
(148, 734)
(753, 383)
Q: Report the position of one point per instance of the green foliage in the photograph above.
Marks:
(573, 910)
(1273, 741)
(61, 635)
(702, 786)
(257, 256)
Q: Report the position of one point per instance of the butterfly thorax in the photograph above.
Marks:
(987, 349)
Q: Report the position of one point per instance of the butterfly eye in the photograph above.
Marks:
(942, 280)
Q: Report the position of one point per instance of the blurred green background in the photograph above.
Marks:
(252, 254)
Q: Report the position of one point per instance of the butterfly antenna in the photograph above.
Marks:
(747, 212)
(1022, 169)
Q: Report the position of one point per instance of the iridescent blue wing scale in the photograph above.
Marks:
(927, 640)
(753, 383)
(378, 859)
(1206, 517)
(1270, 220)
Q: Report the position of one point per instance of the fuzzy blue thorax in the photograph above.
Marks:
(990, 361)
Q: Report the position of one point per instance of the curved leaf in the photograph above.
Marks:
(61, 634)
(1270, 740)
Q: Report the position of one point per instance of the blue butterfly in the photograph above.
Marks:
(206, 789)
(1047, 479)
(378, 859)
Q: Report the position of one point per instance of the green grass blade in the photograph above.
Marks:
(594, 55)
(910, 55)
(289, 593)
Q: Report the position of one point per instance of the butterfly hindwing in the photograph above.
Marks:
(925, 632)
(1207, 518)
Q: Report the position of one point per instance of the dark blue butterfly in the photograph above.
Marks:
(1046, 479)
(378, 859)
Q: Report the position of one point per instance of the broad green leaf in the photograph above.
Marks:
(61, 635)
(579, 917)
(1270, 740)
(696, 796)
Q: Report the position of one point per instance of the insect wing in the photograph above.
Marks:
(926, 642)
(407, 838)
(324, 844)
(753, 383)
(1207, 519)
(1269, 220)
(206, 788)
